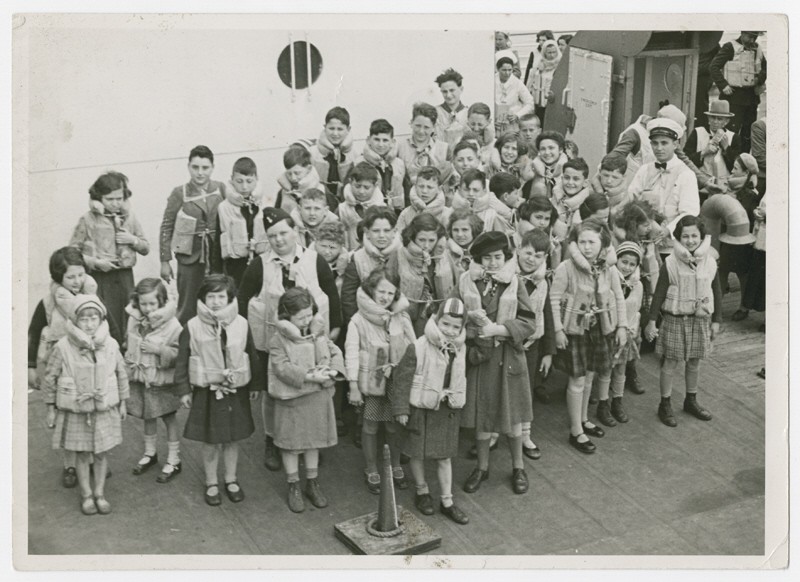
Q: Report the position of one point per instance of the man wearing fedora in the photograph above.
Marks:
(715, 147)
(740, 70)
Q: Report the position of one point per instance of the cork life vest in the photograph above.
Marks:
(433, 358)
(368, 257)
(414, 272)
(538, 300)
(303, 351)
(208, 366)
(101, 232)
(690, 278)
(744, 68)
(233, 239)
(145, 367)
(588, 299)
(715, 164)
(507, 302)
(88, 379)
(186, 228)
(396, 194)
(262, 310)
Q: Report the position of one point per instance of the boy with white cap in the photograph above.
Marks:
(666, 183)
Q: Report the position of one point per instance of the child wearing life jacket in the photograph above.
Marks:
(311, 213)
(426, 196)
(85, 387)
(152, 348)
(474, 195)
(329, 244)
(429, 392)
(377, 337)
(510, 155)
(332, 154)
(303, 366)
(217, 374)
(360, 194)
(590, 323)
(570, 192)
(49, 324)
(465, 157)
(380, 152)
(538, 212)
(299, 175)
(462, 228)
(689, 298)
(549, 161)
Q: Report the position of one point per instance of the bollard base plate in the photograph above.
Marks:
(416, 538)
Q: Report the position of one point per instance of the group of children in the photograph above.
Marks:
(432, 283)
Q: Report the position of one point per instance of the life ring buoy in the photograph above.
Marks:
(726, 209)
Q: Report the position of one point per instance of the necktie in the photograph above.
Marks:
(333, 173)
(661, 165)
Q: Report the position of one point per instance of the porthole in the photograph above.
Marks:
(305, 54)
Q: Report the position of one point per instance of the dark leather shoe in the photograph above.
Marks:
(474, 480)
(296, 503)
(587, 447)
(424, 503)
(213, 500)
(604, 413)
(272, 455)
(168, 473)
(632, 383)
(373, 483)
(519, 481)
(618, 411)
(665, 413)
(454, 513)
(534, 453)
(236, 495)
(314, 494)
(69, 477)
(142, 467)
(594, 431)
(691, 406)
(399, 478)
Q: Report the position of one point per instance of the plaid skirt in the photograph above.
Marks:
(591, 351)
(379, 408)
(95, 432)
(153, 402)
(682, 337)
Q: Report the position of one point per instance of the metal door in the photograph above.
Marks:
(588, 94)
(666, 79)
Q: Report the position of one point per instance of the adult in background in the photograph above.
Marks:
(502, 48)
(512, 99)
(740, 70)
(541, 37)
(758, 148)
(563, 42)
(714, 147)
(451, 120)
(542, 77)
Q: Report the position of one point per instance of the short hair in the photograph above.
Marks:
(593, 203)
(504, 61)
(201, 151)
(148, 285)
(473, 175)
(632, 215)
(374, 213)
(503, 183)
(450, 75)
(464, 145)
(331, 231)
(245, 167)
(294, 301)
(429, 173)
(107, 183)
(381, 126)
(552, 136)
(62, 259)
(689, 220)
(537, 204)
(537, 239)
(314, 194)
(422, 222)
(475, 221)
(595, 226)
(296, 155)
(501, 141)
(548, 34)
(531, 117)
(424, 110)
(614, 162)
(565, 37)
(578, 164)
(363, 171)
(479, 108)
(570, 145)
(215, 283)
(376, 276)
(339, 113)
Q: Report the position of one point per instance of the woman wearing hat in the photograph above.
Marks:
(715, 148)
(500, 320)
(286, 264)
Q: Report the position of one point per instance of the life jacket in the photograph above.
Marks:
(57, 308)
(307, 233)
(233, 239)
(101, 231)
(396, 194)
(744, 68)
(411, 263)
(507, 303)
(208, 367)
(433, 358)
(433, 154)
(714, 165)
(319, 154)
(262, 310)
(588, 298)
(88, 378)
(538, 300)
(368, 258)
(161, 328)
(187, 228)
(349, 216)
(690, 278)
(450, 126)
(306, 352)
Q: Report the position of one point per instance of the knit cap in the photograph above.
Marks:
(629, 247)
(81, 302)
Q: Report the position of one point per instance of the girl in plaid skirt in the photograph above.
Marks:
(688, 296)
(590, 322)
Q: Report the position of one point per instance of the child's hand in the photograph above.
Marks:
(402, 419)
(123, 410)
(186, 400)
(492, 330)
(104, 265)
(561, 340)
(50, 420)
(728, 90)
(33, 379)
(317, 376)
(148, 346)
(622, 337)
(355, 397)
(714, 331)
(651, 331)
(544, 366)
(123, 237)
(166, 271)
